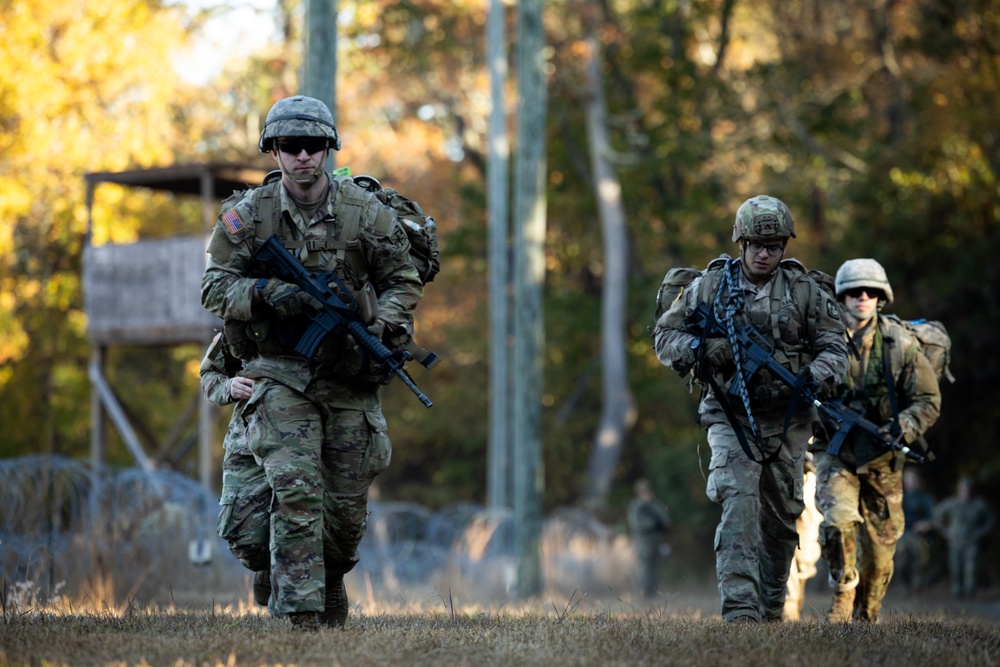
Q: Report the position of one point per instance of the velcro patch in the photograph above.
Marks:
(766, 224)
(236, 221)
(233, 222)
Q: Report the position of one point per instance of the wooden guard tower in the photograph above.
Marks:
(148, 293)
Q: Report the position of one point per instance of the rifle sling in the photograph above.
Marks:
(720, 395)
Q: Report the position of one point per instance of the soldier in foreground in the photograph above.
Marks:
(860, 492)
(756, 467)
(315, 424)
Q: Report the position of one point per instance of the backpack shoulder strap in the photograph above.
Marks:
(267, 202)
(710, 278)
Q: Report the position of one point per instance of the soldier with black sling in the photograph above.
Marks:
(757, 440)
(315, 424)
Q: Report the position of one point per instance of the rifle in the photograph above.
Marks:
(334, 314)
(756, 353)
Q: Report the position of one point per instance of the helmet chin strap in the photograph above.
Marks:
(304, 179)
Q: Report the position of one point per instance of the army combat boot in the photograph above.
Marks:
(334, 615)
(262, 587)
(304, 620)
(842, 608)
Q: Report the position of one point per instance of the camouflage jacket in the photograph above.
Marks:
(791, 311)
(918, 396)
(376, 251)
(216, 372)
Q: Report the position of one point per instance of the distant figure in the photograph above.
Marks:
(913, 549)
(808, 552)
(648, 523)
(964, 521)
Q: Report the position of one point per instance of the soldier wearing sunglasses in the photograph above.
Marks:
(860, 493)
(315, 425)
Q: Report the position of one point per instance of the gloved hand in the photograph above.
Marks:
(717, 352)
(286, 299)
(824, 386)
(377, 328)
(902, 433)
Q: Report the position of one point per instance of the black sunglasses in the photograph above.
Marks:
(296, 145)
(856, 292)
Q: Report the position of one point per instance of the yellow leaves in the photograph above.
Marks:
(13, 339)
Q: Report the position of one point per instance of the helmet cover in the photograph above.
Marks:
(763, 218)
(298, 116)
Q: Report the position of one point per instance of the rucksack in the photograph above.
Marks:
(677, 279)
(420, 229)
(935, 343)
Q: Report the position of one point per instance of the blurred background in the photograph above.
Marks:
(875, 122)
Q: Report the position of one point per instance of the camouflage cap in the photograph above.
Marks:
(298, 116)
(761, 218)
(862, 273)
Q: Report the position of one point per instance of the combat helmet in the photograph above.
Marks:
(862, 273)
(762, 218)
(298, 116)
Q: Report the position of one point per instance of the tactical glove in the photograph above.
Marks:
(287, 300)
(377, 328)
(825, 386)
(718, 353)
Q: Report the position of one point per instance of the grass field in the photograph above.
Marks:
(679, 629)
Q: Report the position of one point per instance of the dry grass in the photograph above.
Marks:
(437, 631)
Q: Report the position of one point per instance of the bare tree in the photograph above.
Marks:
(617, 405)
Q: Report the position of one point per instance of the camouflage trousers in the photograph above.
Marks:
(648, 559)
(862, 521)
(913, 555)
(756, 538)
(963, 558)
(319, 452)
(244, 521)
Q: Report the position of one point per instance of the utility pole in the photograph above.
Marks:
(320, 62)
(498, 487)
(529, 278)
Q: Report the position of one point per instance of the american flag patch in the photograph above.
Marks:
(233, 221)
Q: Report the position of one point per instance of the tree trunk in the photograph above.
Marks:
(617, 409)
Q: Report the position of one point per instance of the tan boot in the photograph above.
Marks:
(843, 599)
(842, 608)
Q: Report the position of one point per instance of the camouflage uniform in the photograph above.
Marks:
(964, 521)
(649, 523)
(860, 494)
(316, 425)
(246, 496)
(756, 538)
